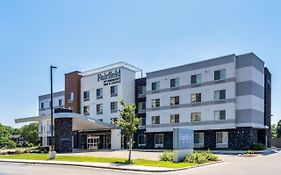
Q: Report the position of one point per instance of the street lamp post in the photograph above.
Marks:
(52, 153)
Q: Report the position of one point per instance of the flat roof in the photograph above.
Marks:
(111, 66)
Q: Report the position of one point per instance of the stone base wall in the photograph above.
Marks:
(238, 139)
(63, 135)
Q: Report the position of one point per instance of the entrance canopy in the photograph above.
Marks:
(80, 122)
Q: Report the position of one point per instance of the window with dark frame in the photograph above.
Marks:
(155, 86)
(155, 120)
(174, 118)
(196, 98)
(99, 93)
(174, 100)
(220, 74)
(195, 79)
(114, 91)
(174, 83)
(155, 103)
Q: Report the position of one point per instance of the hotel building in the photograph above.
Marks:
(226, 100)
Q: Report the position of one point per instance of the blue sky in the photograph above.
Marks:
(81, 35)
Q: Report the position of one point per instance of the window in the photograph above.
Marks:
(42, 105)
(141, 107)
(219, 74)
(222, 139)
(101, 120)
(60, 102)
(99, 108)
(220, 95)
(142, 121)
(114, 91)
(86, 95)
(175, 82)
(220, 115)
(158, 140)
(155, 120)
(113, 120)
(86, 110)
(113, 106)
(155, 103)
(195, 79)
(196, 116)
(196, 98)
(199, 140)
(155, 86)
(174, 118)
(141, 140)
(174, 100)
(141, 90)
(70, 96)
(99, 93)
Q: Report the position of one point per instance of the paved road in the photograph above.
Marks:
(260, 165)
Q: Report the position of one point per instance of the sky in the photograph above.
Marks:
(150, 34)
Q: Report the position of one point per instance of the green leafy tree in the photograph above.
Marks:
(5, 137)
(273, 131)
(30, 133)
(278, 129)
(128, 123)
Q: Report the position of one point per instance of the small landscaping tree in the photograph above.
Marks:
(128, 123)
(278, 129)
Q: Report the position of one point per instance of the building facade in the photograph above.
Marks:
(44, 127)
(226, 100)
(222, 99)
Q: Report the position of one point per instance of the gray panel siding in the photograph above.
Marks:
(48, 96)
(249, 116)
(193, 66)
(249, 88)
(231, 100)
(208, 83)
(250, 59)
(211, 122)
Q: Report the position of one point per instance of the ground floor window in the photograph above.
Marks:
(141, 140)
(222, 139)
(198, 140)
(159, 140)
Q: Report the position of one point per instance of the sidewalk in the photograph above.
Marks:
(93, 165)
(112, 166)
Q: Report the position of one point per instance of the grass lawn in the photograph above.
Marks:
(97, 159)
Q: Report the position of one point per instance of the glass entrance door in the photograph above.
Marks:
(93, 142)
(90, 142)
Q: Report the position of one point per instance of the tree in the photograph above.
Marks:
(30, 133)
(273, 131)
(128, 123)
(278, 129)
(5, 137)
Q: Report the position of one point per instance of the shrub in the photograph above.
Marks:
(19, 151)
(250, 152)
(10, 144)
(3, 153)
(196, 157)
(258, 146)
(167, 156)
(27, 144)
(210, 156)
(201, 157)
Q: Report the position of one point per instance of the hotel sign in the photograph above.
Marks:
(183, 138)
(110, 77)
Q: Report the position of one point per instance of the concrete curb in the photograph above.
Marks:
(78, 164)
